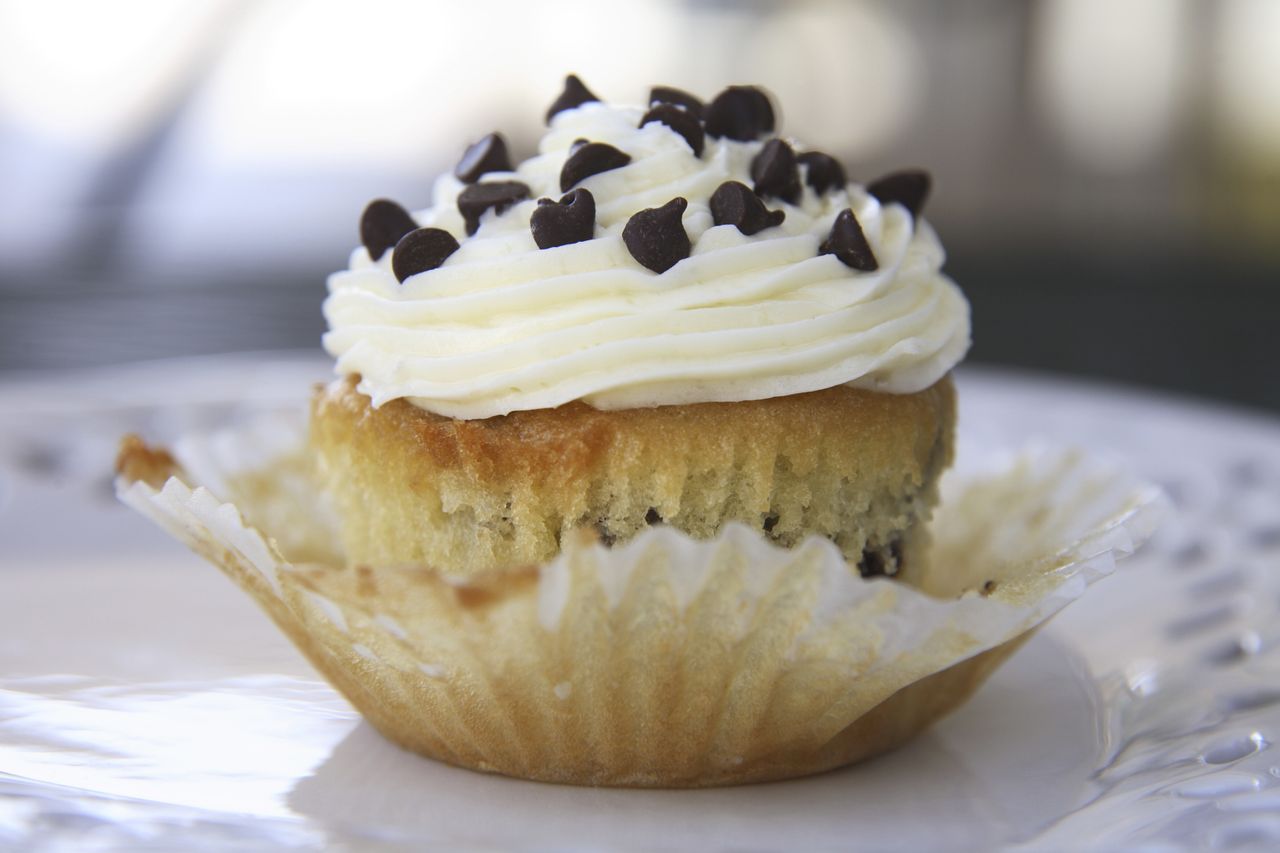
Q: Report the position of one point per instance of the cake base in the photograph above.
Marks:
(468, 497)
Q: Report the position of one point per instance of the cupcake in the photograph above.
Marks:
(627, 474)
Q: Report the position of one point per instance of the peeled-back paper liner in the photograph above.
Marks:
(664, 661)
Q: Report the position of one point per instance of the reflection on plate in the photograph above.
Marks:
(145, 702)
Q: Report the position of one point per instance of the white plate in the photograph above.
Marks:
(145, 702)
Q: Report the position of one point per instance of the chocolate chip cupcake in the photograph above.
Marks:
(669, 315)
(626, 474)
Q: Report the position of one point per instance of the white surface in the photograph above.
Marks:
(145, 703)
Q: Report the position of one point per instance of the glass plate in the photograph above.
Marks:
(146, 703)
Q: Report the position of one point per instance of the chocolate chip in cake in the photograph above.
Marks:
(847, 242)
(570, 220)
(487, 155)
(679, 97)
(681, 121)
(872, 564)
(656, 237)
(740, 112)
(652, 517)
(575, 94)
(421, 250)
(477, 198)
(908, 188)
(734, 203)
(774, 171)
(382, 225)
(876, 563)
(591, 159)
(822, 171)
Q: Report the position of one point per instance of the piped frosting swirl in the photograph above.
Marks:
(502, 325)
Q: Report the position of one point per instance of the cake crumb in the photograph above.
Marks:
(137, 462)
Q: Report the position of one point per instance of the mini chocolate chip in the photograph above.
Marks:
(679, 97)
(570, 220)
(988, 587)
(382, 225)
(591, 159)
(875, 563)
(477, 198)
(681, 121)
(656, 237)
(770, 522)
(823, 171)
(908, 188)
(740, 112)
(774, 171)
(735, 204)
(421, 250)
(652, 517)
(575, 94)
(487, 155)
(847, 242)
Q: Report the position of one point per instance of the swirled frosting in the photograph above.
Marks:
(502, 325)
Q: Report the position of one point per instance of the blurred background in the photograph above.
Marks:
(178, 178)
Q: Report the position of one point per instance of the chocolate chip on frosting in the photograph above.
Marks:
(382, 225)
(487, 155)
(740, 112)
(421, 250)
(822, 171)
(656, 237)
(681, 121)
(498, 195)
(908, 188)
(570, 220)
(734, 203)
(774, 171)
(590, 159)
(679, 97)
(847, 242)
(575, 94)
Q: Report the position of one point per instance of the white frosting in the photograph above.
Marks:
(503, 326)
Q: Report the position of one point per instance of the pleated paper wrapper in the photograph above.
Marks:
(664, 661)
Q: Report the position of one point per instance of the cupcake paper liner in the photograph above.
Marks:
(665, 661)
